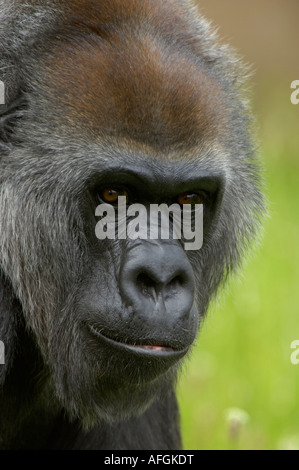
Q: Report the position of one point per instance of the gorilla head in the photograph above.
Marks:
(109, 99)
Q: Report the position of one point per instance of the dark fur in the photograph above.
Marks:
(89, 84)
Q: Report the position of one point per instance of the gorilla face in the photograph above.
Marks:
(109, 100)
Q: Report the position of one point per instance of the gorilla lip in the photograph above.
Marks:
(144, 349)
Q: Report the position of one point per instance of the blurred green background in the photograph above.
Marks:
(239, 390)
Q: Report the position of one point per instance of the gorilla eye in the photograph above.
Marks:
(190, 198)
(111, 195)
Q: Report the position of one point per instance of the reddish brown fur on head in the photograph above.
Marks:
(132, 72)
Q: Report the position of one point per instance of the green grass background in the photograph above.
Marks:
(242, 357)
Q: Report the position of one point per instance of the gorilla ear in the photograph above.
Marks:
(9, 114)
(9, 309)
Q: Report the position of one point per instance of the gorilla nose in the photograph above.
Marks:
(157, 280)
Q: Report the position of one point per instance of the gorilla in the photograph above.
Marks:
(107, 99)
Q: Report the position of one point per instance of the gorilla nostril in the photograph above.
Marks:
(150, 285)
(146, 284)
(175, 283)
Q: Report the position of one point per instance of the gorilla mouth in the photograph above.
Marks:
(156, 350)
